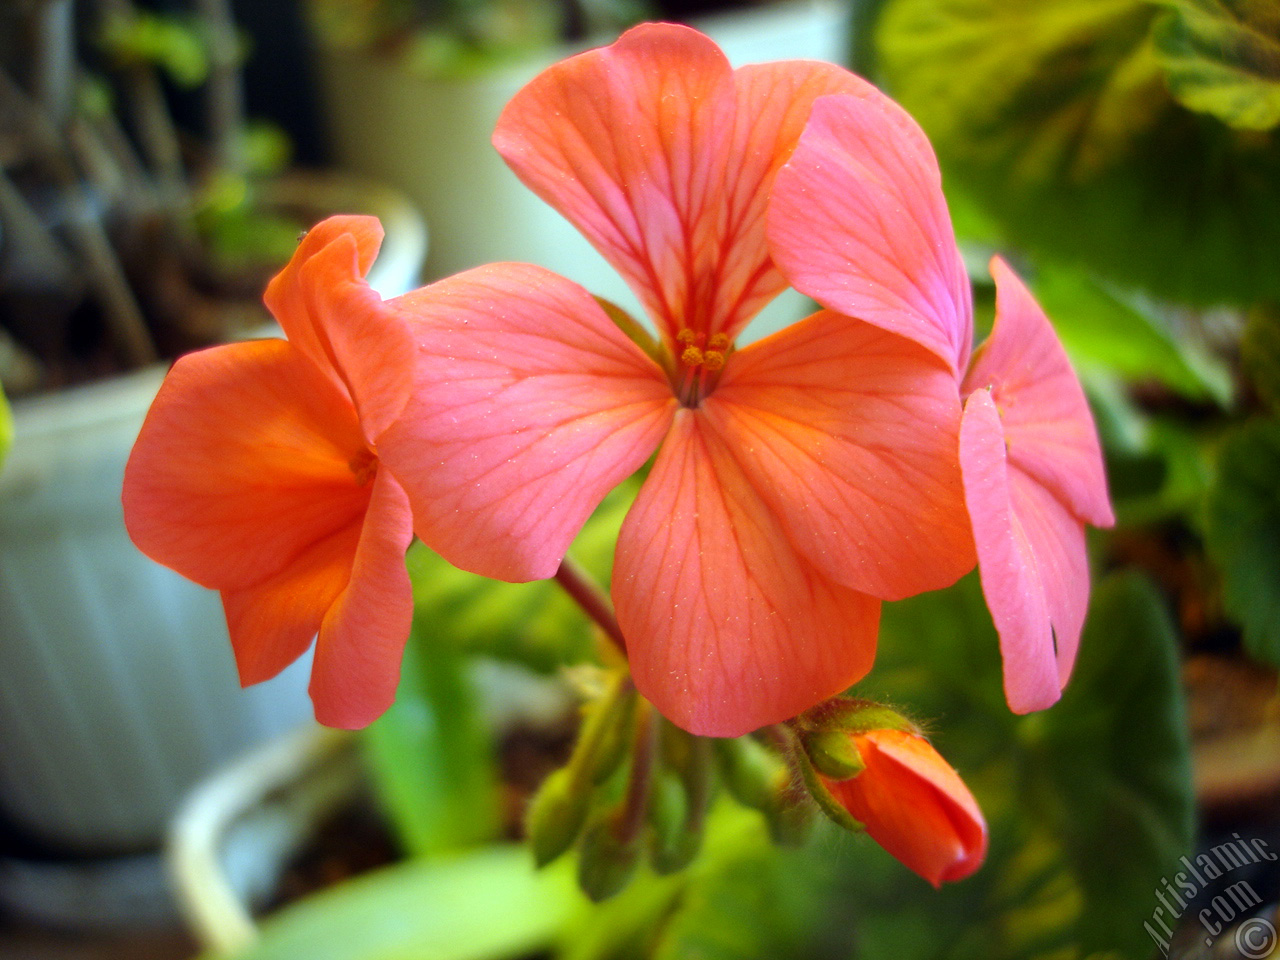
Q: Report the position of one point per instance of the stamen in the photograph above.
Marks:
(686, 336)
(364, 467)
(692, 356)
(718, 341)
(713, 360)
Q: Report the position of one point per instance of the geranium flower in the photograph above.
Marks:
(798, 480)
(858, 222)
(912, 803)
(257, 474)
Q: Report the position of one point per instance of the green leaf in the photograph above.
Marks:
(1114, 755)
(477, 906)
(1260, 354)
(1242, 533)
(1222, 57)
(536, 623)
(1109, 335)
(1056, 117)
(431, 755)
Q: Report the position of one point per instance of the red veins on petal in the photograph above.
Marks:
(857, 220)
(662, 156)
(529, 406)
(729, 627)
(850, 434)
(915, 806)
(255, 474)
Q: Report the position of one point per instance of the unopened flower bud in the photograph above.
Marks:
(607, 859)
(555, 816)
(911, 802)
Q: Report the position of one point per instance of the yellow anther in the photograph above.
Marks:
(692, 356)
(718, 341)
(686, 336)
(713, 359)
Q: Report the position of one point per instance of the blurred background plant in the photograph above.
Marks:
(456, 37)
(125, 237)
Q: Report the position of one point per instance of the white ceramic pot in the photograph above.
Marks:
(431, 138)
(118, 689)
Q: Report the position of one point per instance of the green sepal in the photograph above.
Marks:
(833, 753)
(606, 733)
(635, 331)
(827, 803)
(852, 716)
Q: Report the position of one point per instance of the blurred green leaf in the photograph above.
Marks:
(482, 905)
(240, 231)
(1222, 57)
(536, 623)
(1115, 757)
(1242, 533)
(432, 756)
(1260, 354)
(170, 43)
(1056, 117)
(1106, 334)
(266, 148)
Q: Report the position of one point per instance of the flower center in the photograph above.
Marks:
(364, 467)
(700, 362)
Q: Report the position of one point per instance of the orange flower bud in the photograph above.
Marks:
(913, 804)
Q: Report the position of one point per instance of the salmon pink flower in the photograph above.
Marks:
(912, 803)
(798, 481)
(257, 474)
(858, 222)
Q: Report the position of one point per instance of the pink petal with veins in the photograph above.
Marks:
(1047, 424)
(857, 221)
(1014, 530)
(850, 434)
(529, 406)
(729, 628)
(662, 156)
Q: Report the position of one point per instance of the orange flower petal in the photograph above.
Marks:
(662, 156)
(728, 627)
(850, 435)
(915, 806)
(857, 221)
(285, 296)
(1046, 420)
(361, 642)
(272, 623)
(331, 314)
(530, 405)
(242, 464)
